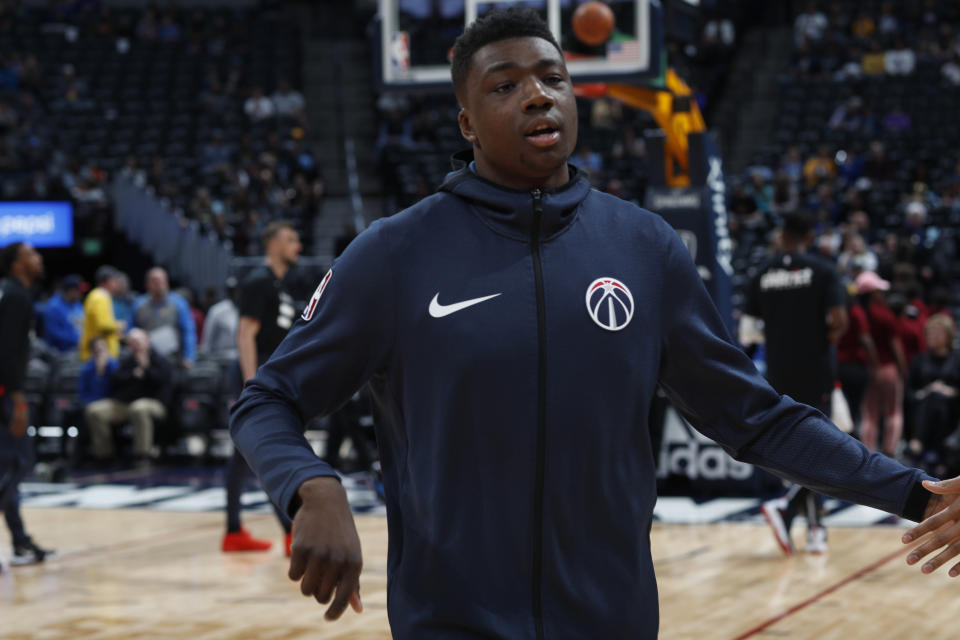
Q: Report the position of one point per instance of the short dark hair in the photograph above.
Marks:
(104, 273)
(797, 226)
(273, 229)
(514, 22)
(9, 255)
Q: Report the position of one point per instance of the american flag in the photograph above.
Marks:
(623, 51)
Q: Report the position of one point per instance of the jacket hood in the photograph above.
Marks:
(511, 210)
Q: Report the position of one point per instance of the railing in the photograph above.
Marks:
(194, 258)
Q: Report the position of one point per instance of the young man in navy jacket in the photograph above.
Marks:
(498, 322)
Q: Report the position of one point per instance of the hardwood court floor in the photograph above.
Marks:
(153, 575)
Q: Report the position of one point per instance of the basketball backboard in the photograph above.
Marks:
(416, 38)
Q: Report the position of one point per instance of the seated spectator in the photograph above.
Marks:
(760, 189)
(63, 316)
(820, 166)
(933, 383)
(94, 380)
(951, 71)
(166, 316)
(141, 389)
(851, 68)
(169, 30)
(810, 25)
(863, 27)
(856, 256)
(888, 24)
(897, 121)
(848, 116)
(219, 336)
(874, 60)
(899, 61)
(289, 102)
(216, 154)
(258, 107)
(792, 164)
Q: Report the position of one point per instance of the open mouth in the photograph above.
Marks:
(543, 135)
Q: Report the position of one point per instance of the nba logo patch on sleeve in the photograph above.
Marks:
(315, 300)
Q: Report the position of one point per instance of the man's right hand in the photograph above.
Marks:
(325, 554)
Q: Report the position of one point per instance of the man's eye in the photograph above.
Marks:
(555, 79)
(503, 88)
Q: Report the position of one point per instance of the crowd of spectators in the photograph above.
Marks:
(126, 357)
(219, 129)
(868, 150)
(851, 40)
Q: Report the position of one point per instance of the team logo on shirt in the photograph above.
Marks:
(609, 303)
(315, 300)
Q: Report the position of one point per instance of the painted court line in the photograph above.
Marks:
(797, 607)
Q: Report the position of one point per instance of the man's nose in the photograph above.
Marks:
(536, 96)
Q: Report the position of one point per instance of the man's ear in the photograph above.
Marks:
(466, 126)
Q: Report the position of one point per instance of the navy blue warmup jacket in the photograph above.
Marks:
(514, 341)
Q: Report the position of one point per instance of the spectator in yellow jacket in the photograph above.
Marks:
(99, 320)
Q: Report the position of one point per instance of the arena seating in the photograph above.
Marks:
(117, 92)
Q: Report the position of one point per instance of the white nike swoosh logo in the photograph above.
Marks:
(438, 310)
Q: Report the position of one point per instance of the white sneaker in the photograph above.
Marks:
(816, 540)
(772, 511)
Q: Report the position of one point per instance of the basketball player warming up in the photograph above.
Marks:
(512, 416)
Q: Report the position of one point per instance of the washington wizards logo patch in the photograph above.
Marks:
(609, 303)
(315, 300)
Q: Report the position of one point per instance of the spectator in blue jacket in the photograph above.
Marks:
(63, 315)
(94, 381)
(166, 317)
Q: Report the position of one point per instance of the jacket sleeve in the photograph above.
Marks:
(102, 311)
(188, 328)
(318, 367)
(719, 391)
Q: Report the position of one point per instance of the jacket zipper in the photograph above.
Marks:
(541, 417)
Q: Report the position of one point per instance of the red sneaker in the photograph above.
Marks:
(287, 541)
(243, 541)
(773, 511)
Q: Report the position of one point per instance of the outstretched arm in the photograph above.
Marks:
(940, 529)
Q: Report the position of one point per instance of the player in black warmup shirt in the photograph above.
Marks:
(20, 266)
(267, 311)
(799, 298)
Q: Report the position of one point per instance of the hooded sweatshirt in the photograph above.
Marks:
(514, 341)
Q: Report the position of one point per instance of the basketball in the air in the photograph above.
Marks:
(593, 23)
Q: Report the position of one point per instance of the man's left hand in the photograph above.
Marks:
(941, 527)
